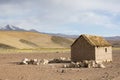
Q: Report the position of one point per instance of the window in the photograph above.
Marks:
(105, 49)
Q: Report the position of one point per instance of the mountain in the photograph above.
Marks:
(28, 40)
(56, 37)
(11, 27)
(33, 30)
(14, 28)
(62, 35)
(115, 40)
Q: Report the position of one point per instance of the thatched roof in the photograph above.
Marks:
(93, 40)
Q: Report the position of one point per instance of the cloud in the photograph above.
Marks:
(55, 15)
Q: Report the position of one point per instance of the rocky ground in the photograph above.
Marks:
(11, 70)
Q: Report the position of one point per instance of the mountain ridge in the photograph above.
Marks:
(15, 28)
(56, 37)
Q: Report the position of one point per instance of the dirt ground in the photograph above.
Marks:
(10, 70)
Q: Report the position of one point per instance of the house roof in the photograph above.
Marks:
(93, 40)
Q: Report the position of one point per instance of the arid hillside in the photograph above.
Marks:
(28, 40)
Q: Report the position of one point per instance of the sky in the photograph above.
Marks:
(72, 17)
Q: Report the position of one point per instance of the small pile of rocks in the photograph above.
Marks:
(27, 61)
(84, 64)
(80, 64)
(60, 60)
(44, 61)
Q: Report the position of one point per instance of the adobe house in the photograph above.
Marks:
(90, 47)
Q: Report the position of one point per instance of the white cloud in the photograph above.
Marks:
(97, 19)
(53, 14)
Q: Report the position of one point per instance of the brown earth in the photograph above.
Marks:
(10, 70)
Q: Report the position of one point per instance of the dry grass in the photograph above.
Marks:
(116, 48)
(4, 46)
(40, 50)
(28, 42)
(61, 41)
(22, 39)
(96, 40)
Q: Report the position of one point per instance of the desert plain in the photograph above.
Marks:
(11, 70)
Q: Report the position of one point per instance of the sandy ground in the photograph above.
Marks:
(10, 70)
